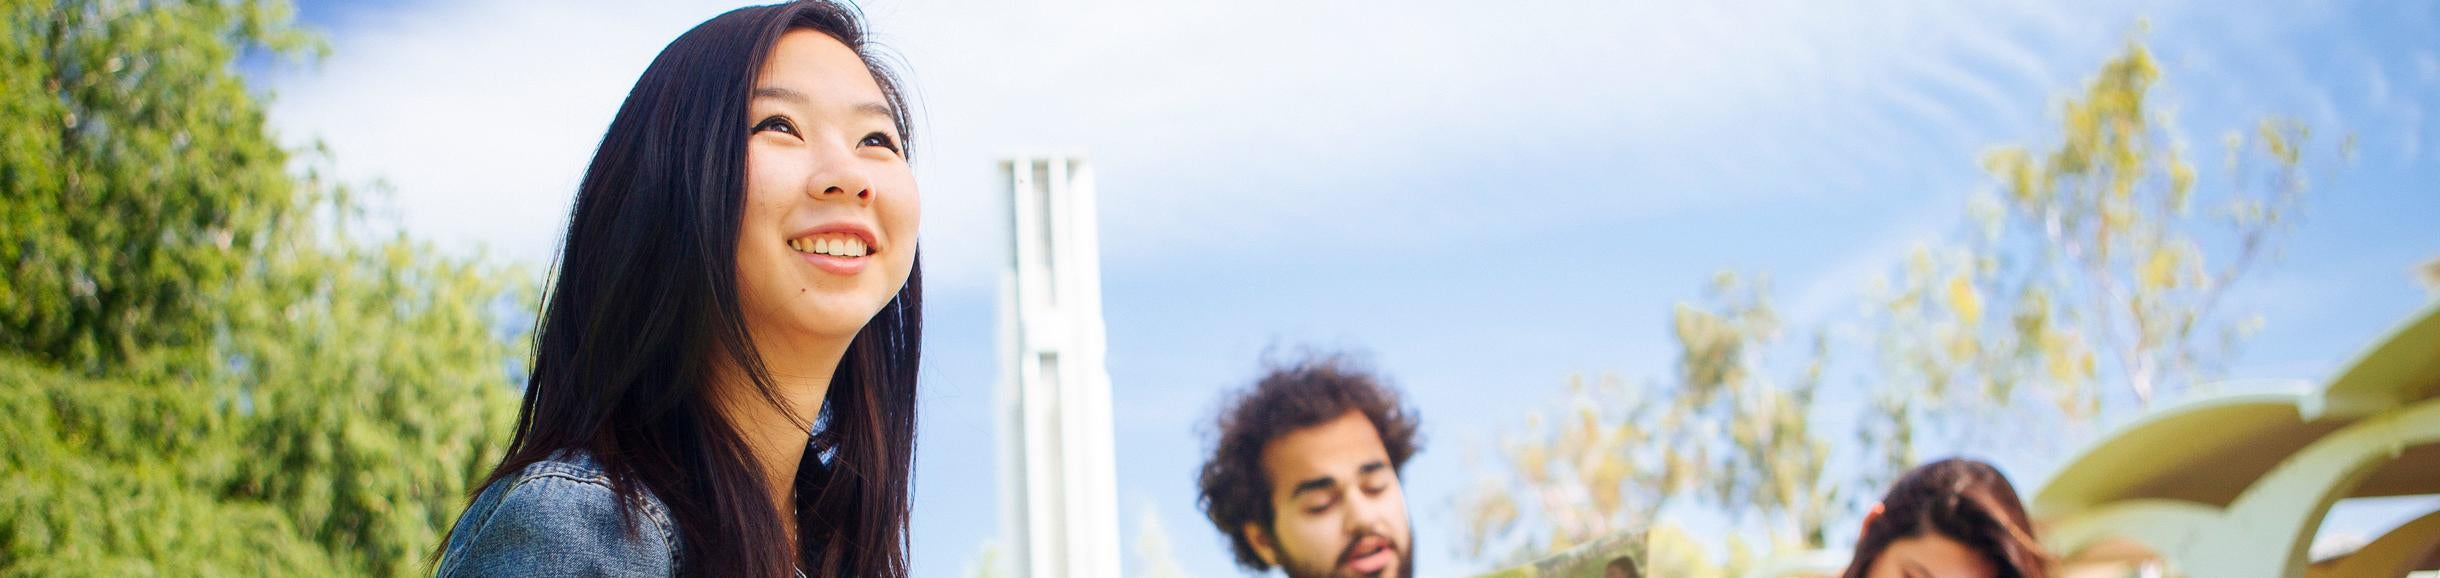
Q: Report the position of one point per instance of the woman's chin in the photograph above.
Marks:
(839, 318)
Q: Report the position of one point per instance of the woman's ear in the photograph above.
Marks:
(1871, 516)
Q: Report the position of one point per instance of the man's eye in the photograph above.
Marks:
(880, 140)
(1377, 482)
(780, 124)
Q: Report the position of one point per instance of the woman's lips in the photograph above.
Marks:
(834, 264)
(840, 249)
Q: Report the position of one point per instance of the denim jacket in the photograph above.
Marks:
(559, 517)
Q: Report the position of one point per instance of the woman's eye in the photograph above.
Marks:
(775, 123)
(880, 140)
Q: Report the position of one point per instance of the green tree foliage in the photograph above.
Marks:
(137, 167)
(2101, 260)
(206, 368)
(111, 478)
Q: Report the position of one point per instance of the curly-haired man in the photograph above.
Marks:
(1305, 473)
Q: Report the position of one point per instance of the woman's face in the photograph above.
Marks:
(1930, 555)
(829, 228)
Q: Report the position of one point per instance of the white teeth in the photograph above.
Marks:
(836, 246)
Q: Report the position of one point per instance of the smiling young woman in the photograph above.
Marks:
(724, 375)
(1954, 518)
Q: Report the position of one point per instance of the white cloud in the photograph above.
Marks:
(1249, 128)
(2411, 143)
(1836, 294)
(481, 115)
(1255, 127)
(2376, 84)
(1270, 126)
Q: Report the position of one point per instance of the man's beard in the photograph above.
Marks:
(1328, 568)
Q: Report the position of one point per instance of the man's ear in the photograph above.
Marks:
(1260, 538)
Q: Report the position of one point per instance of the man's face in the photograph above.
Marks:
(1338, 509)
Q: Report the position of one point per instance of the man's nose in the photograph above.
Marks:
(1366, 513)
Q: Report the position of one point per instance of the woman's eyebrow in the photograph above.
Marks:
(877, 109)
(868, 108)
(790, 95)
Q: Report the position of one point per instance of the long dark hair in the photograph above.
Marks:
(1963, 500)
(646, 293)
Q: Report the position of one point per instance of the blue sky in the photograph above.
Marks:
(1485, 198)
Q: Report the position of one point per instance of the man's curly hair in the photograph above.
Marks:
(1235, 490)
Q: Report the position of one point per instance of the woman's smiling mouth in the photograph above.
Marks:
(833, 244)
(840, 249)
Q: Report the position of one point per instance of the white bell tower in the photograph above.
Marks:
(1058, 490)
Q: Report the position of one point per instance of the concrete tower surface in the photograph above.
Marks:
(1058, 489)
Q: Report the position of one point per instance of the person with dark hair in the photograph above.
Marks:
(1305, 473)
(1951, 518)
(724, 370)
(1621, 567)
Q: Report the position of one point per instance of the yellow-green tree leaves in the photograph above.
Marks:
(2108, 253)
(2091, 274)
